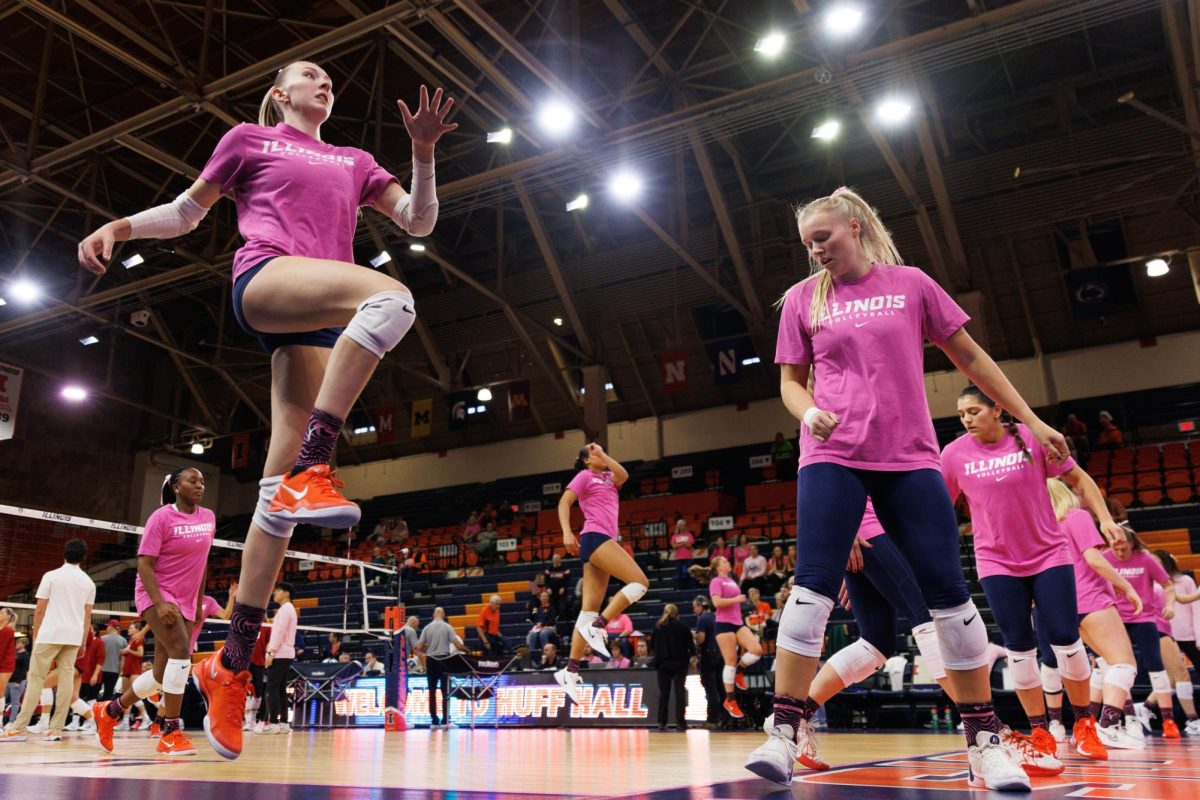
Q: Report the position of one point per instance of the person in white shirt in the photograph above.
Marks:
(372, 665)
(60, 627)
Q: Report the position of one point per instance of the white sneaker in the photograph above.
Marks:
(991, 767)
(73, 725)
(1133, 727)
(270, 729)
(569, 681)
(597, 639)
(258, 726)
(808, 755)
(51, 738)
(1058, 731)
(41, 727)
(1115, 738)
(1144, 715)
(88, 726)
(248, 724)
(284, 728)
(123, 725)
(1192, 728)
(775, 759)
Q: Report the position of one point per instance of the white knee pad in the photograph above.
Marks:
(1120, 675)
(856, 661)
(962, 636)
(1097, 680)
(175, 675)
(270, 523)
(634, 591)
(802, 624)
(1023, 665)
(1072, 661)
(925, 636)
(1160, 682)
(144, 685)
(381, 321)
(80, 707)
(728, 674)
(1184, 690)
(750, 658)
(585, 619)
(1052, 680)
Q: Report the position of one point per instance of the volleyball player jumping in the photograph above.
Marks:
(295, 286)
(731, 632)
(859, 324)
(596, 486)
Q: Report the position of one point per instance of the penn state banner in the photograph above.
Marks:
(422, 417)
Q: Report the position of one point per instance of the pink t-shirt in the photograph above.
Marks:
(597, 493)
(181, 542)
(1016, 531)
(1183, 626)
(1143, 571)
(211, 609)
(725, 587)
(295, 195)
(1160, 601)
(870, 527)
(682, 542)
(283, 632)
(1092, 592)
(621, 625)
(725, 552)
(869, 361)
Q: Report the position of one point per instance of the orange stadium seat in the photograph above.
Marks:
(1148, 458)
(1174, 455)
(1151, 497)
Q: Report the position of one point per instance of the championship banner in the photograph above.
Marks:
(519, 404)
(422, 417)
(10, 395)
(239, 450)
(673, 367)
(385, 424)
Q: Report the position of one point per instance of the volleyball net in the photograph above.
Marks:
(333, 593)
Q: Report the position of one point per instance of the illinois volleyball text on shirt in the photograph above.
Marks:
(288, 149)
(995, 466)
(192, 531)
(869, 307)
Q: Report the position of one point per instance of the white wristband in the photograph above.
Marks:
(810, 415)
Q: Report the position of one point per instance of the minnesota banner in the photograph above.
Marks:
(519, 408)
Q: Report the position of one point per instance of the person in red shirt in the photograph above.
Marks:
(488, 626)
(256, 709)
(131, 667)
(8, 653)
(88, 665)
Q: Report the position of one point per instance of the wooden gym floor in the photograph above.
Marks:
(527, 763)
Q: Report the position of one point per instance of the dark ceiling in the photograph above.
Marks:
(110, 107)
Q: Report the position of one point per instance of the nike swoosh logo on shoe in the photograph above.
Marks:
(294, 493)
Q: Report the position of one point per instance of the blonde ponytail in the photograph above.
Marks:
(1062, 497)
(269, 114)
(876, 240)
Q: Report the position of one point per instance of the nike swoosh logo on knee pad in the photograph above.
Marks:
(969, 621)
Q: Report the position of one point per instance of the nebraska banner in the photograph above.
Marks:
(10, 395)
(673, 367)
(385, 424)
(519, 408)
(422, 417)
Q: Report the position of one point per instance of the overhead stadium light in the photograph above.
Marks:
(578, 204)
(502, 136)
(827, 130)
(1157, 267)
(771, 45)
(843, 20)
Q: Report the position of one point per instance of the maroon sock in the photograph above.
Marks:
(319, 440)
(169, 724)
(599, 622)
(1054, 713)
(572, 665)
(978, 717)
(243, 634)
(1081, 712)
(810, 708)
(1037, 721)
(789, 710)
(114, 708)
(1096, 707)
(1129, 712)
(1110, 716)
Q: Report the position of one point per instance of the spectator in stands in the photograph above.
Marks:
(471, 528)
(16, 682)
(777, 571)
(8, 653)
(618, 660)
(783, 451)
(538, 584)
(543, 618)
(488, 626)
(619, 630)
(681, 542)
(1110, 434)
(575, 601)
(505, 514)
(379, 558)
(343, 658)
(334, 648)
(372, 665)
(412, 636)
(754, 569)
(549, 656)
(791, 560)
(114, 643)
(281, 652)
(673, 651)
(718, 549)
(740, 553)
(756, 612)
(413, 562)
(557, 577)
(589, 656)
(1076, 432)
(61, 625)
(485, 543)
(438, 641)
(524, 658)
(641, 653)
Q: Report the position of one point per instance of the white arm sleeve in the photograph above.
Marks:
(416, 212)
(180, 216)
